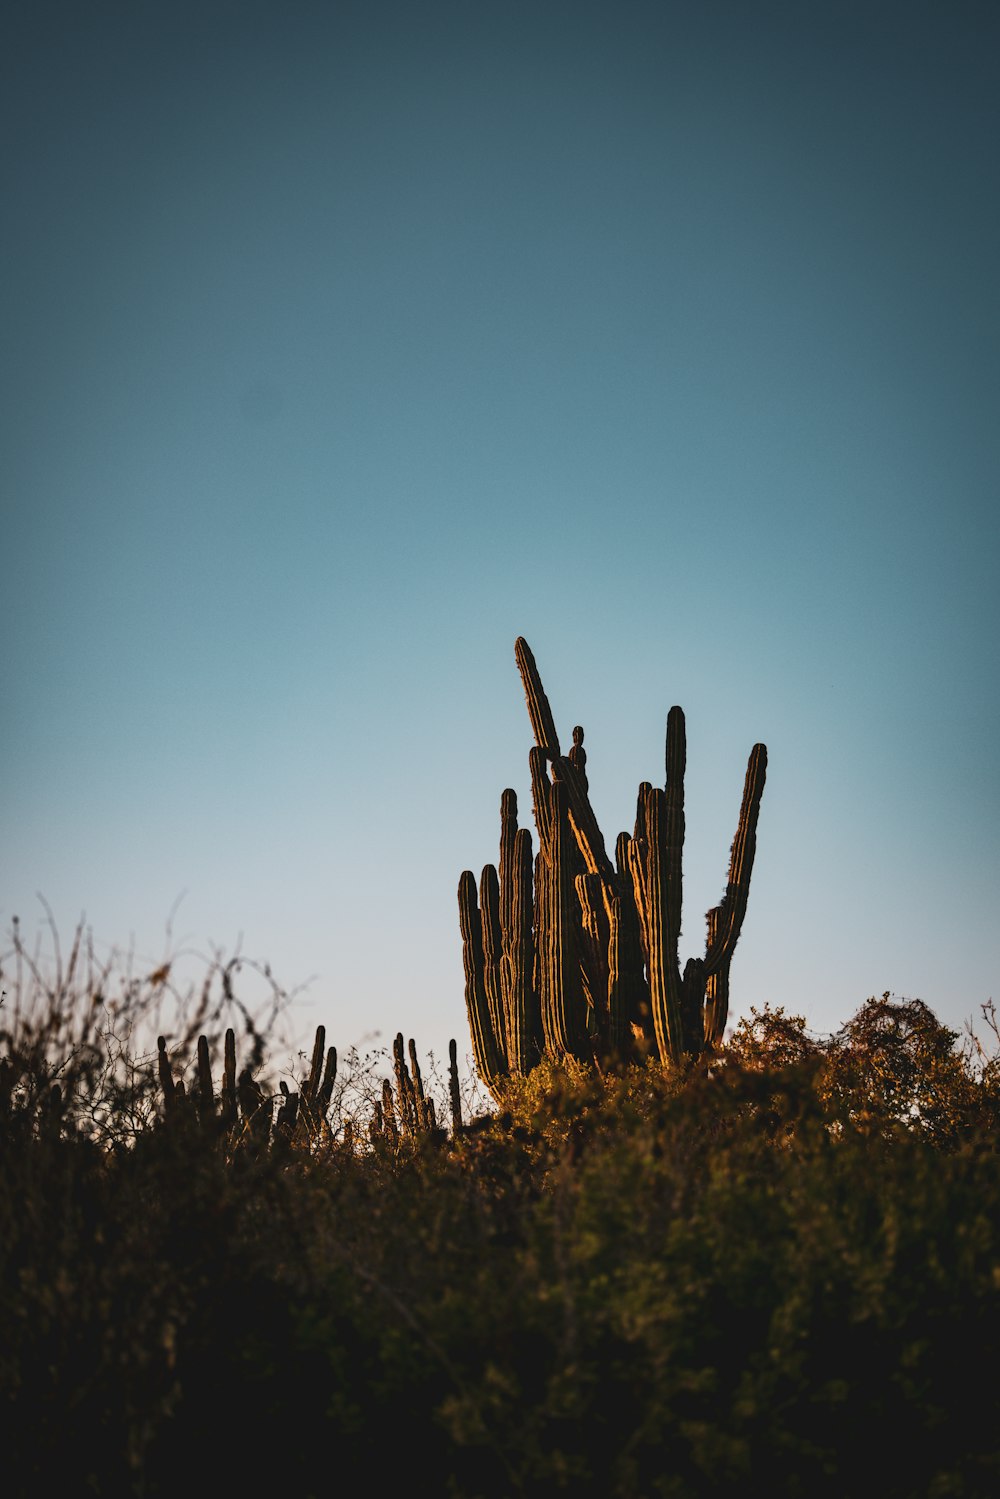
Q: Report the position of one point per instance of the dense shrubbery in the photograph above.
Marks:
(778, 1270)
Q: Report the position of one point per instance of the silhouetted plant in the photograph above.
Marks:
(771, 1259)
(571, 955)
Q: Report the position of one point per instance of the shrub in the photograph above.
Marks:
(779, 1264)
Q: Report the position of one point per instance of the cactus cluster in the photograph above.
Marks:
(242, 1108)
(568, 954)
(408, 1112)
(246, 1113)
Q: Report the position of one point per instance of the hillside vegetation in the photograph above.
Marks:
(776, 1266)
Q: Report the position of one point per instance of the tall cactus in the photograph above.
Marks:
(585, 964)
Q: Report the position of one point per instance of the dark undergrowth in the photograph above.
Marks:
(779, 1271)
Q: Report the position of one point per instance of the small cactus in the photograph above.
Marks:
(287, 1113)
(390, 1127)
(206, 1096)
(255, 1111)
(454, 1093)
(166, 1076)
(246, 1113)
(229, 1096)
(317, 1089)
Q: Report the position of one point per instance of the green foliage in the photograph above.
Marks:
(778, 1264)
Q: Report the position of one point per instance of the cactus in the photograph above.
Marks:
(229, 1081)
(310, 1089)
(390, 1127)
(255, 1112)
(562, 998)
(325, 1095)
(454, 1093)
(245, 1111)
(206, 1097)
(425, 1105)
(287, 1113)
(583, 960)
(491, 1061)
(166, 1075)
(317, 1089)
(414, 1111)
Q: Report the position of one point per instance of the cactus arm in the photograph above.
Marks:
(311, 1088)
(206, 1096)
(390, 1129)
(617, 986)
(693, 1006)
(402, 1101)
(562, 996)
(673, 804)
(516, 1018)
(425, 1105)
(166, 1076)
(692, 988)
(454, 1091)
(489, 906)
(725, 926)
(571, 769)
(628, 992)
(716, 991)
(406, 1094)
(505, 865)
(229, 1079)
(636, 862)
(490, 1061)
(517, 969)
(542, 723)
(288, 1113)
(588, 835)
(645, 787)
(541, 978)
(578, 756)
(326, 1087)
(595, 931)
(541, 796)
(664, 979)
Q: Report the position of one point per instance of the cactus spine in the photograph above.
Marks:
(584, 962)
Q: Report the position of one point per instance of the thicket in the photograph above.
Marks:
(776, 1265)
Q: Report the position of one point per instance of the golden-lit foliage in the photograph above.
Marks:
(781, 1257)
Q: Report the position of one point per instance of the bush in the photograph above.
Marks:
(780, 1266)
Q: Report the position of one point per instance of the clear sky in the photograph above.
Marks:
(343, 343)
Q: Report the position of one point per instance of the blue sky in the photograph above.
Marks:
(342, 344)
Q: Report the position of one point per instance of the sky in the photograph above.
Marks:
(344, 343)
